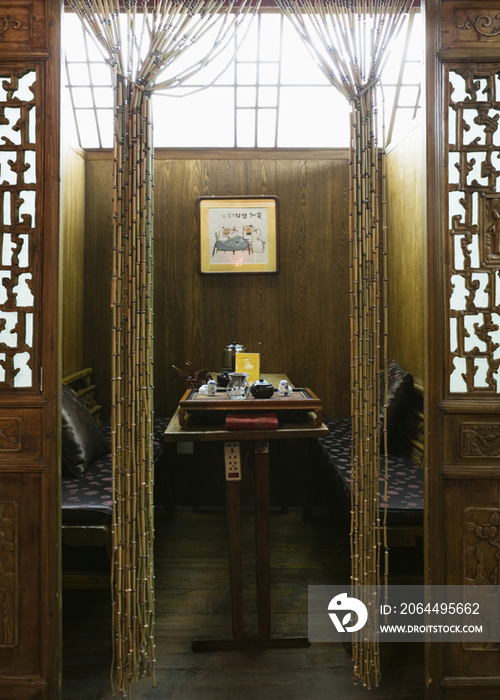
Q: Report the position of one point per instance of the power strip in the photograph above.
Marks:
(232, 461)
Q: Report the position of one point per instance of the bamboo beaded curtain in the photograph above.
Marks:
(142, 41)
(350, 39)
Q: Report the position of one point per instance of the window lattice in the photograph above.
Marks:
(18, 195)
(473, 146)
(271, 94)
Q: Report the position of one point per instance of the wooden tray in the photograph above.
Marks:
(299, 399)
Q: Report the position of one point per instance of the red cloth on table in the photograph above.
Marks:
(267, 420)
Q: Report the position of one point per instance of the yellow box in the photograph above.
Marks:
(248, 362)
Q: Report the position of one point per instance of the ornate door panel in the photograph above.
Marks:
(29, 212)
(463, 306)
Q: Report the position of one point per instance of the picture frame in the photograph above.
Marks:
(238, 235)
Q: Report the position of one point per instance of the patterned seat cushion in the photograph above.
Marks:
(88, 499)
(405, 493)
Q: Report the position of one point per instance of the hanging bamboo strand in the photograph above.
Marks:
(349, 40)
(365, 363)
(132, 392)
(140, 40)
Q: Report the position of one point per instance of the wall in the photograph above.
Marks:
(300, 316)
(73, 238)
(405, 234)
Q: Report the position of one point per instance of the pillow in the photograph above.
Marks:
(81, 439)
(399, 386)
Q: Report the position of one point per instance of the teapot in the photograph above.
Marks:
(262, 389)
(228, 354)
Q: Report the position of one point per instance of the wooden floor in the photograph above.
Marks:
(192, 600)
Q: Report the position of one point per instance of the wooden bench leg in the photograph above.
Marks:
(283, 461)
(309, 498)
(197, 482)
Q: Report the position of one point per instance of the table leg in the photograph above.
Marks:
(263, 567)
(235, 559)
(263, 555)
(235, 577)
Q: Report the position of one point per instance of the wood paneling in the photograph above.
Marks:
(98, 254)
(300, 317)
(405, 237)
(73, 261)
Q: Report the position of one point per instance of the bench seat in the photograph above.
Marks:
(87, 500)
(405, 493)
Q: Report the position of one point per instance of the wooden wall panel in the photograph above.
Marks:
(97, 294)
(73, 261)
(405, 234)
(300, 316)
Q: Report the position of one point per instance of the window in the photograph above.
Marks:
(402, 77)
(271, 94)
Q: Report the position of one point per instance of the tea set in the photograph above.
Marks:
(236, 383)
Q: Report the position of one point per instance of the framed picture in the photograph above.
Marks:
(238, 235)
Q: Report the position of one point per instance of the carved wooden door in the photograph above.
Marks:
(29, 211)
(463, 306)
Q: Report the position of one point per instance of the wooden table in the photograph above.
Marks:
(194, 432)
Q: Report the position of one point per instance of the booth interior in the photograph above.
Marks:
(298, 319)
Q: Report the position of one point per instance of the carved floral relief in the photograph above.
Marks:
(10, 434)
(482, 25)
(15, 23)
(8, 574)
(480, 439)
(481, 552)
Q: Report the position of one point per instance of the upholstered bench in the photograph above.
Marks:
(87, 499)
(86, 489)
(405, 492)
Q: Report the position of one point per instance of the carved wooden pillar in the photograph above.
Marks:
(29, 384)
(463, 307)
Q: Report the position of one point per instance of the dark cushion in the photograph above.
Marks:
(399, 387)
(89, 499)
(82, 440)
(405, 492)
